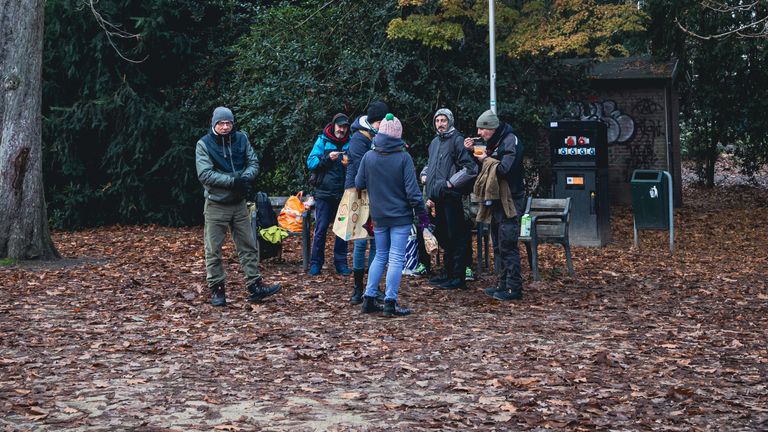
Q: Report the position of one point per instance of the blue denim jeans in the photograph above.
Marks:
(325, 211)
(391, 243)
(358, 253)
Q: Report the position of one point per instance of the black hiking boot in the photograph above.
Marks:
(218, 297)
(370, 305)
(392, 309)
(258, 291)
(357, 291)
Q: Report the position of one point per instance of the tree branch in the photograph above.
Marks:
(111, 30)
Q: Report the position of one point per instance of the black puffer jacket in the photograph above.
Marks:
(449, 162)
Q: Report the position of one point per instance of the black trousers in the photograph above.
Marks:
(453, 234)
(505, 233)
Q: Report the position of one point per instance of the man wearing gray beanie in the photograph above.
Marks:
(505, 150)
(226, 167)
(450, 174)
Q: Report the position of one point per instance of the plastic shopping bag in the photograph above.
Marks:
(293, 213)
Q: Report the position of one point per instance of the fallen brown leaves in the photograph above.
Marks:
(120, 336)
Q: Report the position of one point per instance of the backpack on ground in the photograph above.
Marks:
(263, 216)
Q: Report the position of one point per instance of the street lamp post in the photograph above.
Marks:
(492, 48)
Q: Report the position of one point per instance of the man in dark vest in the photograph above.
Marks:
(226, 167)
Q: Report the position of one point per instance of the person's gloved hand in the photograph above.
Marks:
(423, 221)
(369, 227)
(241, 185)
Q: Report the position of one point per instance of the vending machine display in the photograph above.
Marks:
(579, 156)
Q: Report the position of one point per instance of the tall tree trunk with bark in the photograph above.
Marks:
(24, 230)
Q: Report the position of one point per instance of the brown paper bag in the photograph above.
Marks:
(352, 215)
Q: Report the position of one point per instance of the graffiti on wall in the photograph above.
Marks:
(621, 126)
(648, 128)
(636, 130)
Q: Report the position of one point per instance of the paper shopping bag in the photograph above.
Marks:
(352, 215)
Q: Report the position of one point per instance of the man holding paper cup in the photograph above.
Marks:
(503, 153)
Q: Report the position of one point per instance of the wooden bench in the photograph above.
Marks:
(550, 218)
(278, 202)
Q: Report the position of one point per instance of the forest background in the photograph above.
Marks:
(119, 133)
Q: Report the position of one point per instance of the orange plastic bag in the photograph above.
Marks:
(292, 215)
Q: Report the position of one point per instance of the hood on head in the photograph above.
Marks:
(383, 143)
(361, 124)
(446, 112)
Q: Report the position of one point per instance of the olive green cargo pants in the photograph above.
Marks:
(220, 218)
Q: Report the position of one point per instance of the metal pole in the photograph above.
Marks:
(492, 47)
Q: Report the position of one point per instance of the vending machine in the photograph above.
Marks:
(579, 155)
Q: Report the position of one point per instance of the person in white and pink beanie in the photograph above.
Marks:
(395, 198)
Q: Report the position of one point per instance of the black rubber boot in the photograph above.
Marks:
(258, 291)
(391, 309)
(218, 297)
(357, 291)
(370, 305)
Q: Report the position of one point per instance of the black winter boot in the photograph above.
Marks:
(439, 279)
(392, 309)
(455, 283)
(218, 298)
(357, 291)
(370, 305)
(258, 291)
(490, 291)
(509, 295)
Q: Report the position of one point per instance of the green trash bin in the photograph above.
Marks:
(652, 202)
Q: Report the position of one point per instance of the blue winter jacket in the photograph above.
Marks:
(390, 177)
(219, 160)
(359, 144)
(334, 172)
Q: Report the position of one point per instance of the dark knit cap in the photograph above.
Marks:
(222, 114)
(340, 119)
(376, 111)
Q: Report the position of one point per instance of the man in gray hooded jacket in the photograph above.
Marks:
(226, 167)
(450, 173)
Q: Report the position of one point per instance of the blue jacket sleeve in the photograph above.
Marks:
(361, 181)
(317, 157)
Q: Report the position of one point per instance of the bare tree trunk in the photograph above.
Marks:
(23, 221)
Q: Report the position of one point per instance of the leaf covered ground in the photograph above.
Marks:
(120, 336)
